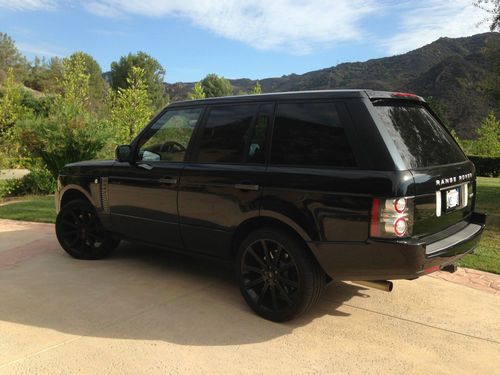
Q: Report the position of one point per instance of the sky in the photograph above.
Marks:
(236, 39)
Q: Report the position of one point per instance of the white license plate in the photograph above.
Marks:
(452, 198)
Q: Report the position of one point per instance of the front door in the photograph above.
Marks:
(143, 193)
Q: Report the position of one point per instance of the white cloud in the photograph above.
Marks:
(27, 4)
(432, 19)
(41, 49)
(102, 9)
(298, 26)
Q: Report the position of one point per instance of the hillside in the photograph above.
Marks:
(450, 70)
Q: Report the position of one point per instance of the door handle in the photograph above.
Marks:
(168, 181)
(145, 166)
(247, 187)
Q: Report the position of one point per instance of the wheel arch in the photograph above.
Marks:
(258, 222)
(72, 192)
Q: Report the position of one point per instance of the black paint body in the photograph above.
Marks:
(196, 207)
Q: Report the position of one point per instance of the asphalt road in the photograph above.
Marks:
(147, 311)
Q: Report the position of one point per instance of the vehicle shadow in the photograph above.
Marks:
(145, 293)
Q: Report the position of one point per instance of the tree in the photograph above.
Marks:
(256, 89)
(493, 8)
(36, 73)
(488, 142)
(45, 76)
(11, 108)
(131, 109)
(10, 57)
(97, 86)
(197, 92)
(154, 75)
(67, 135)
(70, 132)
(75, 82)
(214, 86)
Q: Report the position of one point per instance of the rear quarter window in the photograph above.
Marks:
(420, 139)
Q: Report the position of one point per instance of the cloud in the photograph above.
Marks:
(27, 4)
(432, 19)
(102, 9)
(41, 49)
(298, 26)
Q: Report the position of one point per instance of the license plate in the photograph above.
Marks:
(452, 198)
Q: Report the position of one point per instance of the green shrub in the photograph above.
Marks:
(488, 141)
(40, 105)
(11, 188)
(9, 161)
(69, 135)
(39, 181)
(486, 166)
(68, 131)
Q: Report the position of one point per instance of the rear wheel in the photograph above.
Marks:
(278, 276)
(80, 232)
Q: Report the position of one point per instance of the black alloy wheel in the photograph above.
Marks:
(80, 232)
(270, 275)
(278, 277)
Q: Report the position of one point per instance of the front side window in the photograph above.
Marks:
(310, 134)
(168, 138)
(227, 132)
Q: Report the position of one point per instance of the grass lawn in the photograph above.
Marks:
(486, 257)
(41, 209)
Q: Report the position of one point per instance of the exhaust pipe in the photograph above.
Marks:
(384, 285)
(451, 268)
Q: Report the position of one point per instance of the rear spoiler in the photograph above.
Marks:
(374, 95)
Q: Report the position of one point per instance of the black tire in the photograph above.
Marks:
(80, 232)
(277, 274)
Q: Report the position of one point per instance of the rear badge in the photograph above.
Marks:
(452, 180)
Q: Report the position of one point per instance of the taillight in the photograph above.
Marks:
(391, 218)
(406, 95)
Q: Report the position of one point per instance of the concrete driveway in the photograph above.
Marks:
(146, 311)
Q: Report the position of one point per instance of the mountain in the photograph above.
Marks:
(451, 70)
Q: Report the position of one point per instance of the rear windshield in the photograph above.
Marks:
(419, 137)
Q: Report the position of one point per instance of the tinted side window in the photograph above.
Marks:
(310, 134)
(257, 146)
(227, 131)
(168, 138)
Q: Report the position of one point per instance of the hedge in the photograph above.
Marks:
(486, 166)
(38, 182)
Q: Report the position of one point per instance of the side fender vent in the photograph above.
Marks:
(104, 195)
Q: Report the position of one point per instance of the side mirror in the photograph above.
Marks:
(123, 153)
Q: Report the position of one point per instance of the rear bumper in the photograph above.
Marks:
(384, 260)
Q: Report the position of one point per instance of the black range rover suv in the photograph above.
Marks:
(297, 188)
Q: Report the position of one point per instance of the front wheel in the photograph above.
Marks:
(80, 232)
(278, 276)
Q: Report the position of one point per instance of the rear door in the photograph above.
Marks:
(444, 177)
(315, 182)
(222, 185)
